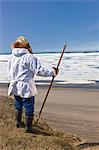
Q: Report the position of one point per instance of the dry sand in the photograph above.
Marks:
(71, 110)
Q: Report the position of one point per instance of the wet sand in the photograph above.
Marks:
(71, 110)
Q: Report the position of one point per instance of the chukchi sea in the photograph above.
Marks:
(75, 68)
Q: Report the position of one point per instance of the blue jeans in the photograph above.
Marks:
(28, 103)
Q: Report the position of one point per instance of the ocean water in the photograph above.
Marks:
(76, 68)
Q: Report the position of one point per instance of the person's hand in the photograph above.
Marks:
(55, 71)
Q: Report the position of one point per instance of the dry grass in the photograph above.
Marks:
(13, 138)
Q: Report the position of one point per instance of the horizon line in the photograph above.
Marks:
(86, 51)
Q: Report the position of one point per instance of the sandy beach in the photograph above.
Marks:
(71, 110)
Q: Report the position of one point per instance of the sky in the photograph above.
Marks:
(49, 25)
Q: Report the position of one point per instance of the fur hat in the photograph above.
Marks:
(22, 39)
(22, 42)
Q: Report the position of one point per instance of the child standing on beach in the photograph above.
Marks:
(23, 65)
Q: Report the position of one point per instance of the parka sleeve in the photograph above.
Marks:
(39, 70)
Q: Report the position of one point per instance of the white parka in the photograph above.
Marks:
(22, 68)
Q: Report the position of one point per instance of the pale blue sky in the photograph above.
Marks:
(48, 25)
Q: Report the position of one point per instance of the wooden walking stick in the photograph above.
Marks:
(50, 85)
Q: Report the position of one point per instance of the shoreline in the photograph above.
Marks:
(56, 84)
(70, 110)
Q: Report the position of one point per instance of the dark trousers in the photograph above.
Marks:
(28, 104)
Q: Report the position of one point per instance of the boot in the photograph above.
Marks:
(29, 128)
(19, 123)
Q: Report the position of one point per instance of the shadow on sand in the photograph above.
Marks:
(87, 145)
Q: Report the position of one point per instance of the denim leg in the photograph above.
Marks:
(18, 102)
(28, 103)
(18, 105)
